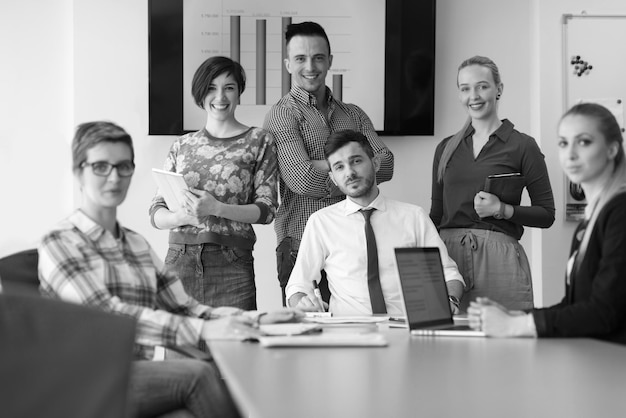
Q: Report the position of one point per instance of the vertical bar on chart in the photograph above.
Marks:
(338, 86)
(261, 70)
(285, 77)
(235, 38)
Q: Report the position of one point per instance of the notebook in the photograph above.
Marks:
(425, 294)
(508, 187)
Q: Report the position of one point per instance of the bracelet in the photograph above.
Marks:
(257, 321)
(454, 300)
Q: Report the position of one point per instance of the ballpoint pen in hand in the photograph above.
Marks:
(318, 295)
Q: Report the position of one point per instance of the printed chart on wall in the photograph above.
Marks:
(593, 72)
(251, 31)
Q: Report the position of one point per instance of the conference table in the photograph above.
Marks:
(428, 377)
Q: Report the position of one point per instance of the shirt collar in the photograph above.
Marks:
(304, 96)
(503, 132)
(379, 204)
(91, 228)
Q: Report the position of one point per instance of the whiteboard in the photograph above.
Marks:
(594, 67)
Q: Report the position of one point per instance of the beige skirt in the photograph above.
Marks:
(493, 264)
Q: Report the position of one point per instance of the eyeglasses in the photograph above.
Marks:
(103, 168)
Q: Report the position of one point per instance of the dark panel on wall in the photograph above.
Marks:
(409, 68)
(165, 47)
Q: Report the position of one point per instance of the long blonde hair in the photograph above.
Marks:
(454, 142)
(616, 184)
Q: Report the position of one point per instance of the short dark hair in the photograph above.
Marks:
(209, 70)
(90, 134)
(339, 139)
(306, 29)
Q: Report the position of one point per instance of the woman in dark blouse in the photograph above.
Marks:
(592, 155)
(482, 230)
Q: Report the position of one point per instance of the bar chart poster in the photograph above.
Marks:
(252, 33)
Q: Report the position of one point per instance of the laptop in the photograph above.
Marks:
(425, 294)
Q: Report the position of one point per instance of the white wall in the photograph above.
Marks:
(35, 119)
(88, 60)
(120, 57)
(549, 106)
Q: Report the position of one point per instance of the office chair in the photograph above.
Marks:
(19, 276)
(18, 272)
(59, 359)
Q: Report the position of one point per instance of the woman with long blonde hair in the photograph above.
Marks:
(591, 153)
(482, 230)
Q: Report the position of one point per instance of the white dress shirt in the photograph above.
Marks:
(334, 241)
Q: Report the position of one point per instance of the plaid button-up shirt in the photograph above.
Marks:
(300, 131)
(81, 262)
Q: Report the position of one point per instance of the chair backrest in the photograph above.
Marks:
(18, 272)
(62, 360)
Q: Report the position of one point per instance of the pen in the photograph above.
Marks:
(396, 319)
(318, 295)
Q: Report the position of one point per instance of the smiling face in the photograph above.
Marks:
(586, 157)
(354, 172)
(478, 92)
(308, 63)
(222, 97)
(101, 193)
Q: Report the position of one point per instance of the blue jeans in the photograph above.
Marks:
(214, 275)
(178, 388)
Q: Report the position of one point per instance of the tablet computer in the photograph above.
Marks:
(171, 186)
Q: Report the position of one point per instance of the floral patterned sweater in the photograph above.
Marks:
(239, 170)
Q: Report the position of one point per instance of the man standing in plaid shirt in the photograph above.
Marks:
(301, 122)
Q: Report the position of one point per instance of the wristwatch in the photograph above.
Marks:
(499, 214)
(454, 300)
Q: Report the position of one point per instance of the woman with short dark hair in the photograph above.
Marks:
(232, 173)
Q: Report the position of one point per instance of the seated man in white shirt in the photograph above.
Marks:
(334, 238)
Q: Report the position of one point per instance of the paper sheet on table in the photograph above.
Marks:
(289, 329)
(348, 319)
(326, 340)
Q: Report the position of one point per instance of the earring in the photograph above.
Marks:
(498, 96)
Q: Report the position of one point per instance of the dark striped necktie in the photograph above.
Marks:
(373, 279)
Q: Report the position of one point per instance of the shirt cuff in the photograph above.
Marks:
(293, 289)
(524, 326)
(190, 332)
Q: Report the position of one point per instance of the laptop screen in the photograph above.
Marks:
(423, 286)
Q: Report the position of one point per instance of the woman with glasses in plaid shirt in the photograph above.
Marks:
(89, 258)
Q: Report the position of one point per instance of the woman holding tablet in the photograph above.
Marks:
(231, 170)
(481, 231)
(591, 153)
